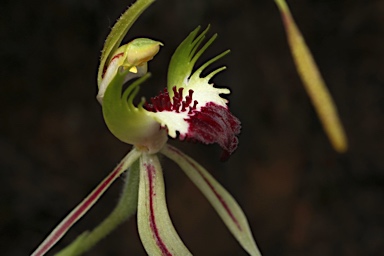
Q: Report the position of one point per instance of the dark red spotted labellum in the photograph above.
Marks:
(211, 123)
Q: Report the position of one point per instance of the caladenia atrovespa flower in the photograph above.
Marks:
(189, 108)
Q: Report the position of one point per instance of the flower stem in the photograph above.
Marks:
(124, 209)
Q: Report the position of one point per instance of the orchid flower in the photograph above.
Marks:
(189, 108)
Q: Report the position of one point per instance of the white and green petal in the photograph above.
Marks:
(225, 205)
(182, 64)
(156, 230)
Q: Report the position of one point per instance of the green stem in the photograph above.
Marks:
(124, 209)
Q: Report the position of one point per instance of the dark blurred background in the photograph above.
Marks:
(301, 197)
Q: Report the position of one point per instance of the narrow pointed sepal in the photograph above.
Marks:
(85, 205)
(225, 205)
(125, 208)
(156, 230)
(313, 81)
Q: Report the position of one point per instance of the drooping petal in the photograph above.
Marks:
(85, 205)
(118, 32)
(227, 208)
(155, 227)
(125, 208)
(192, 106)
(313, 81)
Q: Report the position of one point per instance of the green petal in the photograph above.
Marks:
(227, 208)
(313, 81)
(118, 32)
(156, 230)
